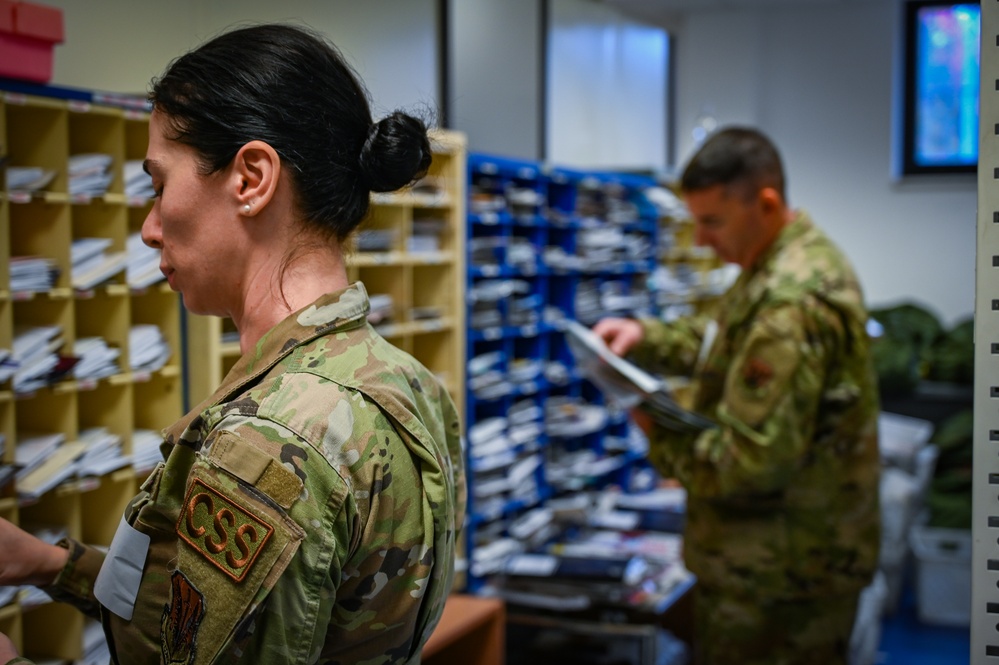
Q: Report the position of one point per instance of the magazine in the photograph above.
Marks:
(627, 385)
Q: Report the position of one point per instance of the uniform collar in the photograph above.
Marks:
(799, 225)
(341, 310)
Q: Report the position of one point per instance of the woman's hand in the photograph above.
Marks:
(7, 650)
(25, 559)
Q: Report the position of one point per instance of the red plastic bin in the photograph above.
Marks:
(28, 35)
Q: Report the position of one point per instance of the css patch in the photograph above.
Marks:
(221, 530)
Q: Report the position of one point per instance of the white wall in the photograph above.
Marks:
(495, 75)
(119, 45)
(606, 96)
(819, 81)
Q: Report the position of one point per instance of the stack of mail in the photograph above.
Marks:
(426, 236)
(138, 183)
(487, 376)
(6, 470)
(375, 240)
(146, 449)
(8, 594)
(143, 264)
(92, 263)
(148, 350)
(89, 174)
(96, 359)
(32, 273)
(7, 365)
(102, 454)
(35, 354)
(34, 448)
(571, 417)
(28, 178)
(47, 472)
(382, 306)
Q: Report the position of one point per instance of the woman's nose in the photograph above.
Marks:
(152, 231)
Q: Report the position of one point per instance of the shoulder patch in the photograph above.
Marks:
(223, 532)
(181, 620)
(757, 373)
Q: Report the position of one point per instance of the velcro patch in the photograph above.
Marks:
(222, 531)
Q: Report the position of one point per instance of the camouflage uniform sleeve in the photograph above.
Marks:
(291, 626)
(767, 412)
(456, 456)
(75, 582)
(670, 348)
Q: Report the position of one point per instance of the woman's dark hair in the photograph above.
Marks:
(292, 89)
(739, 156)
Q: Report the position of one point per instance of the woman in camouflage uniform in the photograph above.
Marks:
(307, 511)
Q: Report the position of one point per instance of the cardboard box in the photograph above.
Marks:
(28, 35)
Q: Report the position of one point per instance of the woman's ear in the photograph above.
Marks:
(256, 171)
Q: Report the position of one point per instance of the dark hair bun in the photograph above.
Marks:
(396, 152)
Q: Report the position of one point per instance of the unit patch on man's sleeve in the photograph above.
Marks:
(222, 531)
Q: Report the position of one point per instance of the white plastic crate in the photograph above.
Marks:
(900, 438)
(943, 575)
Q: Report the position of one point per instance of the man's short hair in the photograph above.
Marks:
(739, 156)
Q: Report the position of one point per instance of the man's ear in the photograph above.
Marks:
(256, 171)
(770, 200)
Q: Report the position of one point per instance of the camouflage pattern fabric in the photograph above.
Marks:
(307, 512)
(760, 631)
(783, 495)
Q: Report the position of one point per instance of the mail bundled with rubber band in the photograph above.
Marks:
(626, 385)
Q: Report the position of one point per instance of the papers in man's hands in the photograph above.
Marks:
(627, 385)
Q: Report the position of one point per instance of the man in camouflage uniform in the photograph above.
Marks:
(307, 512)
(782, 497)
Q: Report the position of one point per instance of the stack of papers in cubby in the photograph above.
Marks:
(381, 308)
(35, 354)
(375, 240)
(28, 178)
(6, 470)
(93, 264)
(143, 266)
(7, 365)
(486, 377)
(138, 183)
(32, 273)
(33, 449)
(89, 174)
(56, 468)
(8, 594)
(148, 350)
(96, 359)
(102, 454)
(426, 236)
(146, 449)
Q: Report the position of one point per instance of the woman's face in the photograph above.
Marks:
(190, 222)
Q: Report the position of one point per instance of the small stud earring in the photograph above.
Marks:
(246, 208)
